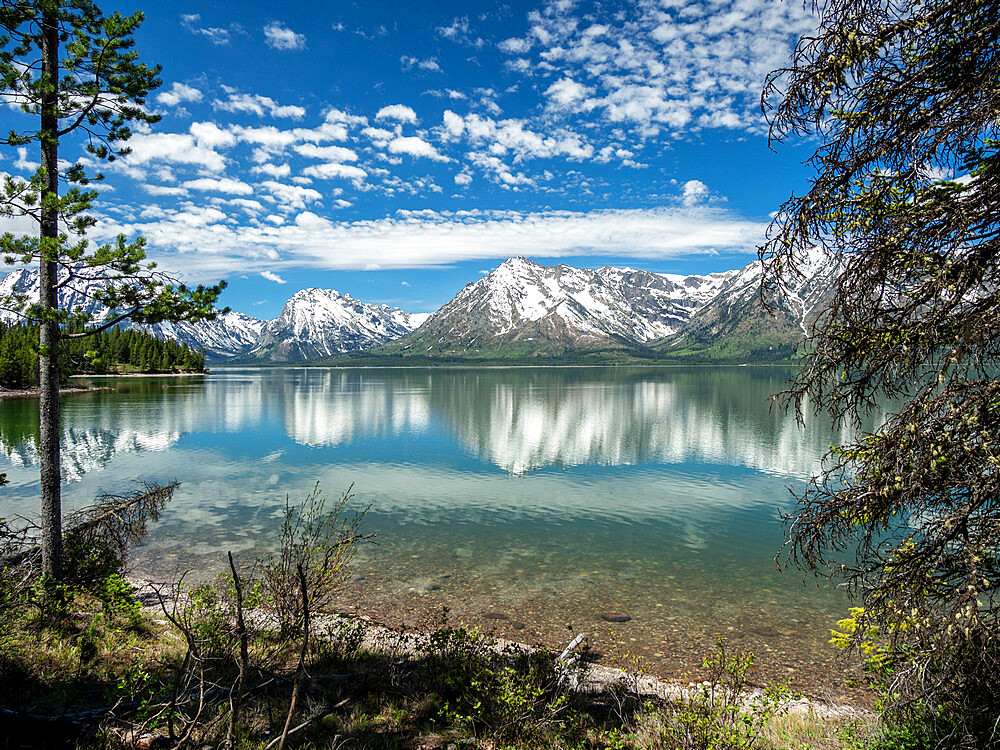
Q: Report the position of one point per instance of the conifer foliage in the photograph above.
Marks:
(904, 100)
(112, 351)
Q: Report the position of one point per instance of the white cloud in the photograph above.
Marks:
(430, 64)
(460, 32)
(328, 153)
(211, 135)
(23, 162)
(274, 170)
(657, 65)
(695, 191)
(271, 276)
(516, 138)
(195, 148)
(200, 242)
(566, 92)
(463, 178)
(220, 185)
(179, 93)
(515, 46)
(279, 36)
(215, 35)
(291, 196)
(453, 124)
(331, 170)
(415, 146)
(259, 105)
(398, 112)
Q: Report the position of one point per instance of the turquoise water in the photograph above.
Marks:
(528, 499)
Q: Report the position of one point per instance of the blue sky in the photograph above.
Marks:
(395, 150)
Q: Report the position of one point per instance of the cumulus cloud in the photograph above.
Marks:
(256, 104)
(695, 191)
(397, 112)
(454, 125)
(219, 185)
(415, 146)
(290, 197)
(332, 170)
(197, 147)
(273, 170)
(271, 276)
(515, 46)
(177, 94)
(566, 92)
(279, 36)
(329, 153)
(515, 137)
(657, 65)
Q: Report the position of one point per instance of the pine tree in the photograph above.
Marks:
(73, 71)
(904, 101)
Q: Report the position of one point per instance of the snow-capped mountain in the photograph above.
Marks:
(319, 323)
(520, 309)
(527, 307)
(231, 334)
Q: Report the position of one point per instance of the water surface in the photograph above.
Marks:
(533, 500)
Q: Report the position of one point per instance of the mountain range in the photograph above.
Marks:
(520, 310)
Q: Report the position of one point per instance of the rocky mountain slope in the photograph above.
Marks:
(735, 325)
(522, 308)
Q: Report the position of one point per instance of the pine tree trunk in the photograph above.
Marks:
(48, 330)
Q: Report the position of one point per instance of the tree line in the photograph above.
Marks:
(114, 350)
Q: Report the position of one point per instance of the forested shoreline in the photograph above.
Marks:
(112, 351)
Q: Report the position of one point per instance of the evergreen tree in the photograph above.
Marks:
(72, 71)
(904, 99)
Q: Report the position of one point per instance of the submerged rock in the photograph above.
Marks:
(615, 617)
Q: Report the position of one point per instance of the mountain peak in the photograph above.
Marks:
(518, 262)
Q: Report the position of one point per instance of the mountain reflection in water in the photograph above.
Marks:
(516, 419)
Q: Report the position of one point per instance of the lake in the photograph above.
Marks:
(529, 500)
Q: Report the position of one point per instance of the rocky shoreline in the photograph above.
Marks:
(379, 636)
(65, 391)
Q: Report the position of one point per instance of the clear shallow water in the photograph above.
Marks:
(528, 499)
